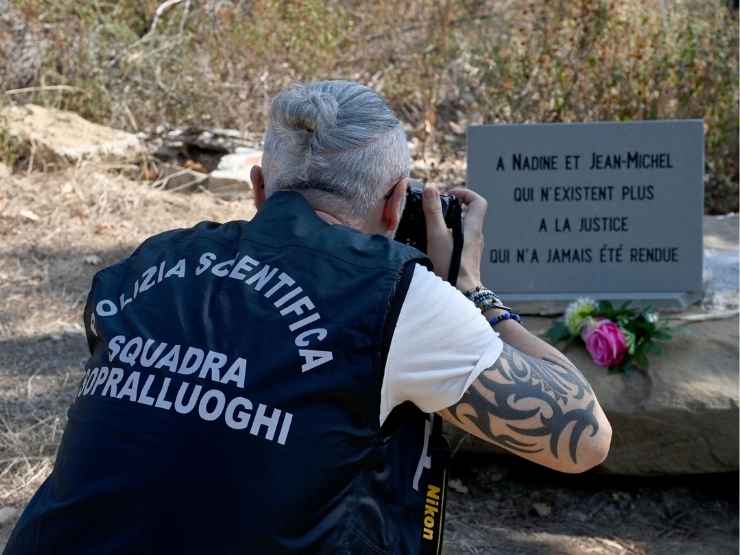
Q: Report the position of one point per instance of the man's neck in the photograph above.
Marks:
(333, 220)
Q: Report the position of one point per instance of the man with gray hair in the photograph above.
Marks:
(275, 386)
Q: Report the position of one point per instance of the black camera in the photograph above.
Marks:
(412, 228)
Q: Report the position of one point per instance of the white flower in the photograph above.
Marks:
(651, 317)
(577, 313)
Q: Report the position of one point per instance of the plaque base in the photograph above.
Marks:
(549, 304)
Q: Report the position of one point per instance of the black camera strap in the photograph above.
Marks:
(433, 516)
(436, 501)
(457, 246)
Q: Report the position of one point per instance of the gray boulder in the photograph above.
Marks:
(56, 136)
(681, 415)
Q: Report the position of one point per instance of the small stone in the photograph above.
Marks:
(55, 337)
(92, 259)
(73, 327)
(458, 486)
(181, 181)
(28, 215)
(457, 128)
(7, 514)
(232, 174)
(4, 171)
(195, 166)
(542, 509)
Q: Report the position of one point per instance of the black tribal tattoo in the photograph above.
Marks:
(553, 382)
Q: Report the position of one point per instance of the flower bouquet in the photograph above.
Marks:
(619, 339)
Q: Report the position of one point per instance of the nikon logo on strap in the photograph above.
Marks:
(431, 510)
(432, 522)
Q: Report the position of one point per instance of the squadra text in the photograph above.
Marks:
(155, 388)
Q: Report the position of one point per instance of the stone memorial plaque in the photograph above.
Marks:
(607, 210)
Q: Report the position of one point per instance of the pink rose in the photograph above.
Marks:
(604, 342)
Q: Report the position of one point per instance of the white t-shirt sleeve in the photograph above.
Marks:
(440, 345)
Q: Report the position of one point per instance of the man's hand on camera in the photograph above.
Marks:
(439, 237)
(575, 435)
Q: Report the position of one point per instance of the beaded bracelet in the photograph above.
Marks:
(485, 299)
(487, 303)
(506, 315)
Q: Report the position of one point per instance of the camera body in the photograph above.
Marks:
(412, 228)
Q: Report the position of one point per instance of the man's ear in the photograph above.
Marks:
(393, 208)
(258, 185)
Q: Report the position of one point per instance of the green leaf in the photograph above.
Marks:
(631, 340)
(558, 332)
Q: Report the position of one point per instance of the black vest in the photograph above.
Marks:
(231, 401)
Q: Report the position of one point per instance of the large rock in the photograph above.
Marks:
(205, 147)
(224, 156)
(57, 135)
(229, 180)
(681, 415)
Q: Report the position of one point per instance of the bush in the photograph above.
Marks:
(442, 64)
(619, 61)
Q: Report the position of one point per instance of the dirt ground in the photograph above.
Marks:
(57, 230)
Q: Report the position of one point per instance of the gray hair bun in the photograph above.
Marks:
(342, 160)
(302, 109)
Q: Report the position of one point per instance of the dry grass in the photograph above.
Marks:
(78, 213)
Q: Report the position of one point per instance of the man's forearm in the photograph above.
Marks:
(534, 402)
(519, 337)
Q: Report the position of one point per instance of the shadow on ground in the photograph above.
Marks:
(515, 507)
